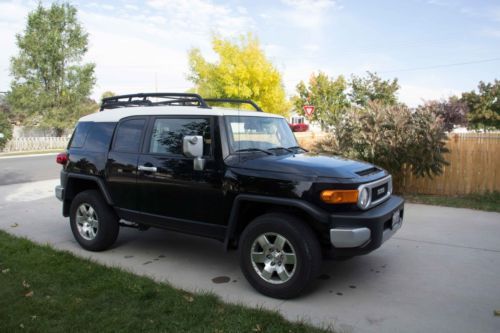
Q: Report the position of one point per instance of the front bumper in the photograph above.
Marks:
(59, 192)
(354, 233)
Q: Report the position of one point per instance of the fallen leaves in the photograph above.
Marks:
(5, 271)
(496, 313)
(15, 225)
(189, 298)
(29, 294)
(257, 328)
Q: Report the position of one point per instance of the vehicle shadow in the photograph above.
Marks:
(208, 258)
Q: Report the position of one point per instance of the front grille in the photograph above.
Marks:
(379, 191)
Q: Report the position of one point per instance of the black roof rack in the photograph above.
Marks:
(186, 99)
(236, 101)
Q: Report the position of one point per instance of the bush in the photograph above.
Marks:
(390, 137)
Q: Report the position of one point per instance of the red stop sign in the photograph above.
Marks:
(309, 110)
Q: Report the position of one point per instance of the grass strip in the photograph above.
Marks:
(489, 201)
(44, 290)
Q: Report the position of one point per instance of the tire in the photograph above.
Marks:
(98, 227)
(286, 280)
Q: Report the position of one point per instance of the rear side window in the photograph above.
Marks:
(168, 134)
(81, 131)
(99, 137)
(128, 136)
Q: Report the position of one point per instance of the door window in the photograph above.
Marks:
(167, 134)
(128, 136)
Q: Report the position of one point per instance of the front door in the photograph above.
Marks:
(168, 186)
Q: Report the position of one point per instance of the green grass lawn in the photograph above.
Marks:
(44, 290)
(488, 201)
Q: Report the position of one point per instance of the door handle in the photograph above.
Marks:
(147, 168)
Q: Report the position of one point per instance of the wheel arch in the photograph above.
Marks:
(247, 207)
(79, 183)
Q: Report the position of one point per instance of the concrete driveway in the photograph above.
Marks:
(440, 273)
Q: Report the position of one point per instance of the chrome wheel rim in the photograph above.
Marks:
(273, 258)
(87, 222)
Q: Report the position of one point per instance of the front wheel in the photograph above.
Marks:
(279, 255)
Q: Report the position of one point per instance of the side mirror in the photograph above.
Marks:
(192, 146)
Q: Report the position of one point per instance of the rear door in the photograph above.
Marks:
(121, 166)
(171, 189)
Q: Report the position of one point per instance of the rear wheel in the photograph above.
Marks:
(94, 223)
(279, 255)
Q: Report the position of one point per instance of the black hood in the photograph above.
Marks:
(310, 164)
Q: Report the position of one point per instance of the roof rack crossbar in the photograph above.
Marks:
(142, 99)
(236, 101)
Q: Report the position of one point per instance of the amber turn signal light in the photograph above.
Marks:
(339, 196)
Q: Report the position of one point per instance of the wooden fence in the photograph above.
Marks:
(474, 165)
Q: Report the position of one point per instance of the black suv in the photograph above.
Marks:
(171, 161)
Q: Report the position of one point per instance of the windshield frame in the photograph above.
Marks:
(230, 135)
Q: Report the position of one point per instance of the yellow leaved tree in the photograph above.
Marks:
(242, 71)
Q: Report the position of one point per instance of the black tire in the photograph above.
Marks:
(108, 226)
(303, 242)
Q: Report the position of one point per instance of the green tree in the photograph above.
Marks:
(373, 88)
(328, 96)
(452, 111)
(5, 123)
(50, 86)
(107, 94)
(242, 71)
(484, 106)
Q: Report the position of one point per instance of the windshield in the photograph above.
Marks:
(259, 133)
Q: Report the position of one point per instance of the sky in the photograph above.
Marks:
(435, 48)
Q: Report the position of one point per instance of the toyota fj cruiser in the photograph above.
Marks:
(171, 161)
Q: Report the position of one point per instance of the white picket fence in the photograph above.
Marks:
(34, 144)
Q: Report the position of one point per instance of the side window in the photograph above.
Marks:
(128, 136)
(168, 133)
(99, 137)
(80, 134)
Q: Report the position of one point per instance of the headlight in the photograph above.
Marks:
(364, 198)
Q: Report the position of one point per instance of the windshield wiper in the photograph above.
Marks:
(298, 147)
(253, 149)
(287, 149)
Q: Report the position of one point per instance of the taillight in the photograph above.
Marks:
(62, 158)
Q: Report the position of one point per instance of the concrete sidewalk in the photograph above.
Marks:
(440, 273)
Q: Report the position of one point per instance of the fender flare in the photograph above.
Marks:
(313, 211)
(95, 179)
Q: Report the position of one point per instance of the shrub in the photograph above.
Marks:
(391, 137)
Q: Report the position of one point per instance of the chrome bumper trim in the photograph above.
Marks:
(343, 237)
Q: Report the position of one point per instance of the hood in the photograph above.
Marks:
(311, 164)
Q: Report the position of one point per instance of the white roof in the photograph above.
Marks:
(114, 115)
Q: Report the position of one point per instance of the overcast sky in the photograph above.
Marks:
(434, 47)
